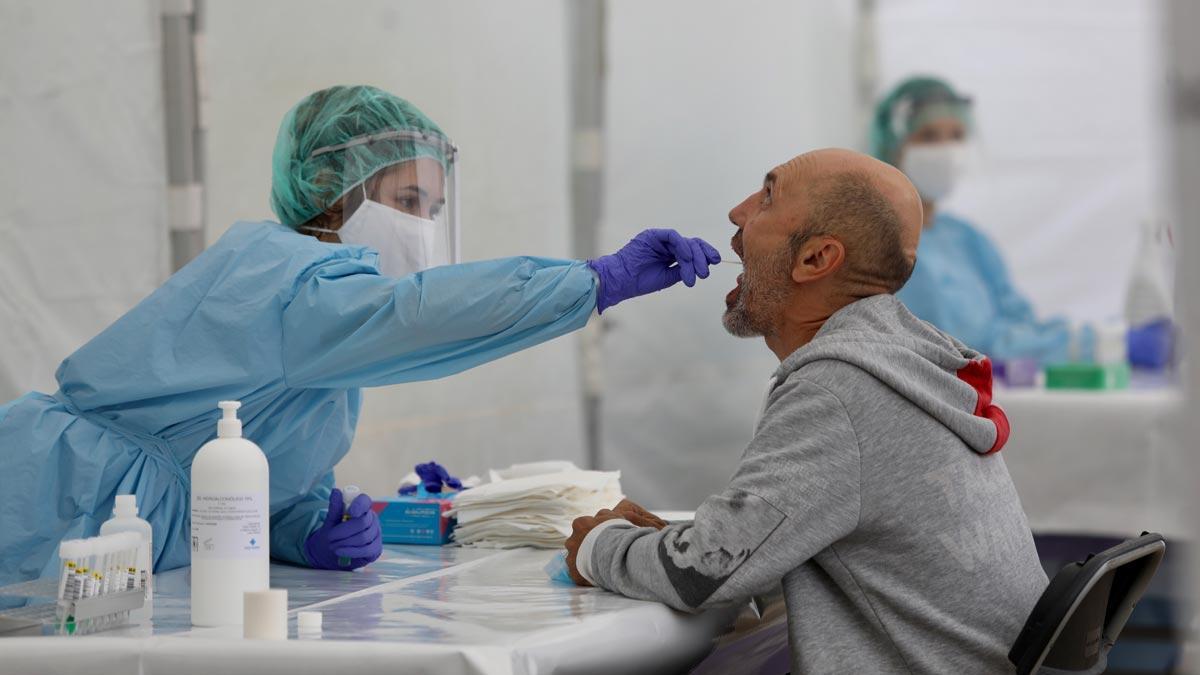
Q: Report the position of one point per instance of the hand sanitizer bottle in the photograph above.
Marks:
(230, 517)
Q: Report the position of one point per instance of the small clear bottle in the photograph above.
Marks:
(125, 519)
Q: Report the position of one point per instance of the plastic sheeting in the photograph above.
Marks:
(439, 610)
(1098, 462)
(83, 213)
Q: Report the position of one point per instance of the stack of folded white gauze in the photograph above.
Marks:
(532, 505)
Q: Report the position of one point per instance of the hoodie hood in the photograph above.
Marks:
(945, 378)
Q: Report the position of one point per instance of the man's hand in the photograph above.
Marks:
(626, 510)
(635, 514)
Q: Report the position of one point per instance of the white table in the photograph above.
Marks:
(1098, 462)
(417, 610)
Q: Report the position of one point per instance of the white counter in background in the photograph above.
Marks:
(1098, 462)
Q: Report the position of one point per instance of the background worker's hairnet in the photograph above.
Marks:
(303, 185)
(911, 104)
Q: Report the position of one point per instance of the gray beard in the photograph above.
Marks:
(738, 323)
(743, 323)
(769, 299)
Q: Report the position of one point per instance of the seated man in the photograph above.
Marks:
(873, 488)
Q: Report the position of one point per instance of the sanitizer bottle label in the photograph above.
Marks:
(229, 525)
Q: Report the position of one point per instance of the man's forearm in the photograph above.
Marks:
(621, 557)
(583, 560)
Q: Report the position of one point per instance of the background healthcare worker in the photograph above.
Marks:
(352, 288)
(960, 283)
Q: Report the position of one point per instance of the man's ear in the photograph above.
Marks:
(818, 258)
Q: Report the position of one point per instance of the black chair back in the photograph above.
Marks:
(1080, 614)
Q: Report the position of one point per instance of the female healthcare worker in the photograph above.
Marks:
(960, 283)
(353, 288)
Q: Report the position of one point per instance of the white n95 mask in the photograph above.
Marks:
(934, 168)
(406, 243)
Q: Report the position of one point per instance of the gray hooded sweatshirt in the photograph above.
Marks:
(874, 491)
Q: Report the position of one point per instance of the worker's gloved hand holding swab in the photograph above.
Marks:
(349, 494)
(650, 262)
(351, 532)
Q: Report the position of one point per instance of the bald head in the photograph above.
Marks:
(826, 229)
(868, 205)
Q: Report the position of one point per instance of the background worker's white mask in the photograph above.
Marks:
(934, 168)
(406, 243)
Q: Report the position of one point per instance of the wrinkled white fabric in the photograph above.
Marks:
(531, 469)
(532, 510)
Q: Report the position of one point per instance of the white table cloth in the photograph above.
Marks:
(418, 609)
(1098, 462)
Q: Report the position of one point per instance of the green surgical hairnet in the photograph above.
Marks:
(911, 104)
(304, 185)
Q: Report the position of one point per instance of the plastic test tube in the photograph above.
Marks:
(87, 580)
(129, 562)
(112, 571)
(114, 550)
(79, 583)
(70, 552)
(67, 553)
(104, 551)
(348, 494)
(108, 550)
(126, 557)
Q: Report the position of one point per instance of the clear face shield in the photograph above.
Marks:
(407, 209)
(936, 129)
(912, 113)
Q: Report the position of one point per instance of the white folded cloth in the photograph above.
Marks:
(532, 505)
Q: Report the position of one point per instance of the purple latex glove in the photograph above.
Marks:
(650, 262)
(359, 538)
(1151, 345)
(444, 477)
(433, 476)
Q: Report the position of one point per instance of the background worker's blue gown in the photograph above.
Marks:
(289, 326)
(961, 286)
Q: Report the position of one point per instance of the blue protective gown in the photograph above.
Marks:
(289, 326)
(961, 286)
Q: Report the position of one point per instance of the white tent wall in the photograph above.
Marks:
(703, 100)
(83, 219)
(1068, 106)
(493, 76)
